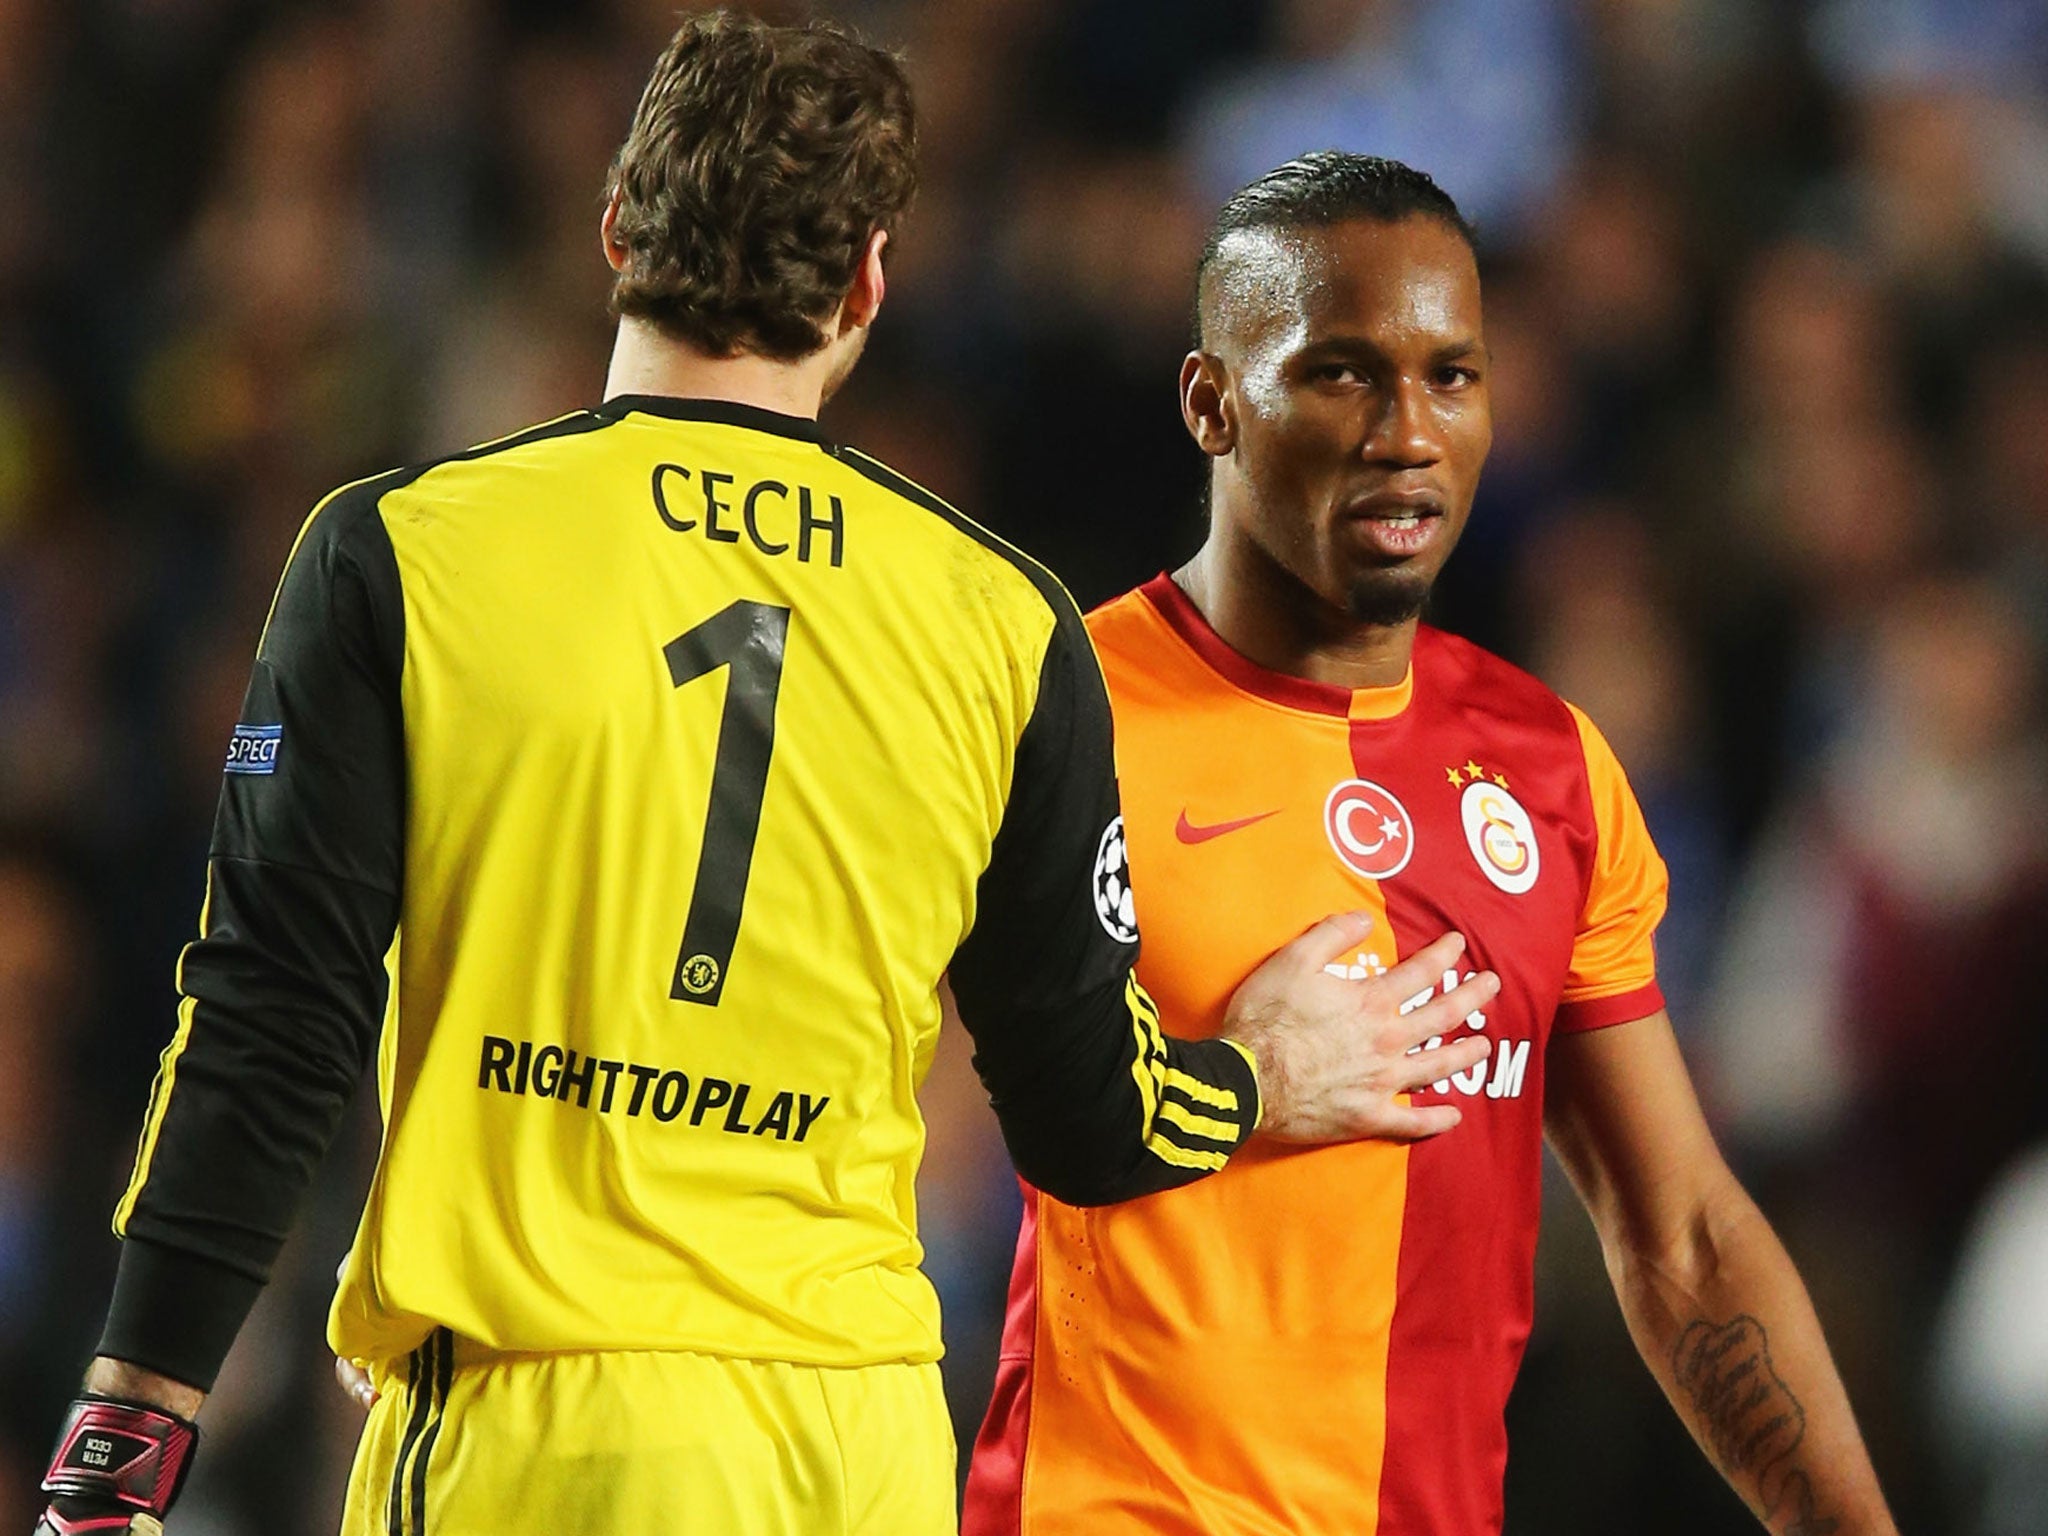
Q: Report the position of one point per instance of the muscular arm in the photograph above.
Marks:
(1709, 1295)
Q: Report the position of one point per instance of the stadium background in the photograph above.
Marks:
(1767, 285)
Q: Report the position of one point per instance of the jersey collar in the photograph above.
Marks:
(729, 413)
(1186, 620)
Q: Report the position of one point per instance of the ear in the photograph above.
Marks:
(615, 250)
(1205, 403)
(864, 298)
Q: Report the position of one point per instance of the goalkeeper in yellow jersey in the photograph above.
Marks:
(625, 787)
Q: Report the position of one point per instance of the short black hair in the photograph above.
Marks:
(1330, 186)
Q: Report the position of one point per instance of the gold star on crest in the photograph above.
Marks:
(1472, 773)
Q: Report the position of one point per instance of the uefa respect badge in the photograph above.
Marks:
(254, 748)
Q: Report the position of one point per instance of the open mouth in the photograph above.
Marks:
(1398, 525)
(1394, 504)
(1398, 538)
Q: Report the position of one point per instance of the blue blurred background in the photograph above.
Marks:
(1767, 288)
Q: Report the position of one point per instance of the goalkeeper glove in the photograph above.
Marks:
(118, 1466)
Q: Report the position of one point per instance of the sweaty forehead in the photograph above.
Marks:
(1410, 281)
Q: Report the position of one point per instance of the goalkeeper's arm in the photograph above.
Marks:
(281, 997)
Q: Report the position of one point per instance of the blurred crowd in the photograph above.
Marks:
(1767, 291)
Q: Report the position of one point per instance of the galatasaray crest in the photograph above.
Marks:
(1500, 834)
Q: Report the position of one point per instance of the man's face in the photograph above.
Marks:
(1351, 383)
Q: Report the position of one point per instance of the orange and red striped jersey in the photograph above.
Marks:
(1322, 1339)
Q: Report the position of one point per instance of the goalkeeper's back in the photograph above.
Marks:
(677, 744)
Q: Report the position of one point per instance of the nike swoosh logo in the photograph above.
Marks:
(1188, 832)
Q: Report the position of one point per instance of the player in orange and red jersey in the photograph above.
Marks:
(1323, 1341)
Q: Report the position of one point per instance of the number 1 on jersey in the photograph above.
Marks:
(748, 637)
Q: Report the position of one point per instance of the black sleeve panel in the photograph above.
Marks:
(175, 1313)
(283, 992)
(1095, 1103)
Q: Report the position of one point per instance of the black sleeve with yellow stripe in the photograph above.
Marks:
(282, 994)
(1096, 1104)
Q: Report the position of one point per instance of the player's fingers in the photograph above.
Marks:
(355, 1381)
(1409, 1122)
(1425, 968)
(1433, 1066)
(1332, 936)
(1441, 1015)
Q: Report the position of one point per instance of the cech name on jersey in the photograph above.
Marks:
(688, 500)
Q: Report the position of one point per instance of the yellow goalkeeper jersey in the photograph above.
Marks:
(662, 758)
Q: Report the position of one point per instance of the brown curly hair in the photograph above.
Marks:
(759, 162)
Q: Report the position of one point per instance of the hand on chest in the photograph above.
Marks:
(1238, 841)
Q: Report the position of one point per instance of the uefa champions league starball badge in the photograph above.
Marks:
(1113, 885)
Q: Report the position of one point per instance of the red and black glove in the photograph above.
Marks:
(118, 1466)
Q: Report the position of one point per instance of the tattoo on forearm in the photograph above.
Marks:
(1753, 1423)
